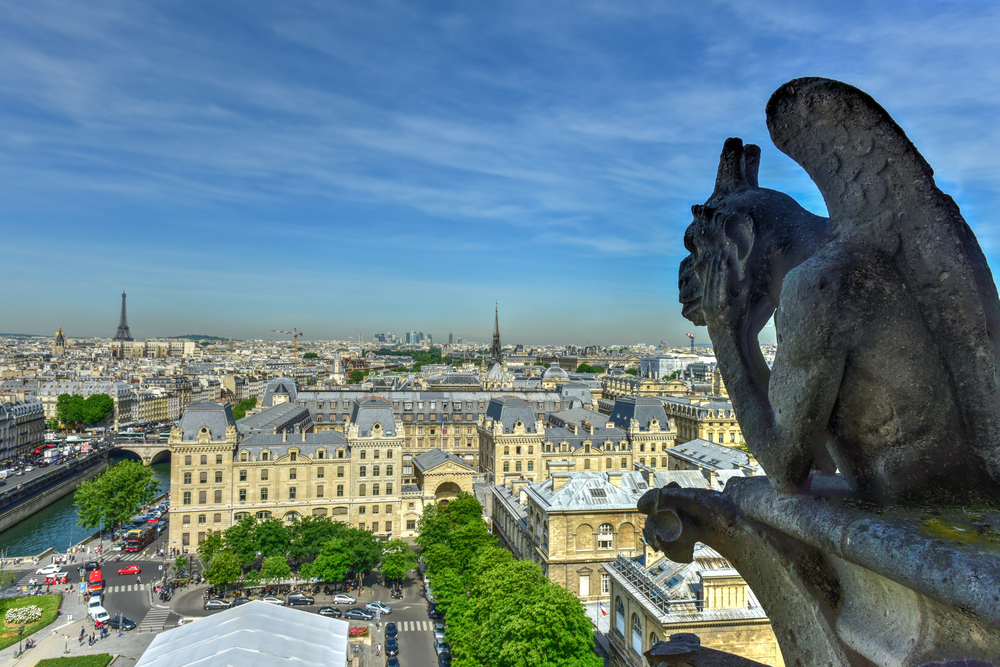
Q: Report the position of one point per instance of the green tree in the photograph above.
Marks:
(224, 569)
(211, 545)
(397, 559)
(271, 536)
(274, 569)
(308, 535)
(630, 371)
(364, 550)
(310, 355)
(241, 539)
(332, 563)
(180, 564)
(587, 368)
(96, 408)
(116, 495)
(241, 409)
(357, 375)
(69, 409)
(52, 424)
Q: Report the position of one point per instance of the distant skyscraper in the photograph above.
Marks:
(123, 333)
(450, 341)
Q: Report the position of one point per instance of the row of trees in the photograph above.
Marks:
(241, 408)
(116, 495)
(587, 368)
(501, 612)
(317, 547)
(75, 410)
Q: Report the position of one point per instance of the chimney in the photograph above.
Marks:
(303, 435)
(709, 474)
(284, 435)
(572, 427)
(588, 427)
(615, 478)
(559, 479)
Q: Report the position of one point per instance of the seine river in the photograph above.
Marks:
(55, 526)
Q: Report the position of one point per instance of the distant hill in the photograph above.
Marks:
(11, 335)
(199, 337)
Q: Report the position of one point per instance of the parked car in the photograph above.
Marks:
(131, 569)
(343, 598)
(240, 601)
(392, 662)
(444, 660)
(439, 630)
(442, 647)
(378, 606)
(216, 604)
(127, 624)
(390, 630)
(49, 569)
(332, 612)
(391, 646)
(99, 615)
(299, 598)
(432, 612)
(270, 599)
(359, 614)
(95, 602)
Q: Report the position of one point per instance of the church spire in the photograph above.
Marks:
(496, 352)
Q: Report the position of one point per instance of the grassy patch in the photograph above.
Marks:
(99, 660)
(49, 605)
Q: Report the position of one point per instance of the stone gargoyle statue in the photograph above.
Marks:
(886, 313)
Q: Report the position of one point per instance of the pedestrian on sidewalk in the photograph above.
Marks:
(138, 581)
(83, 631)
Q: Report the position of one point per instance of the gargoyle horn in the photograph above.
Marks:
(737, 167)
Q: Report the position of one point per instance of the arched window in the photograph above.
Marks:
(506, 451)
(584, 538)
(653, 639)
(517, 466)
(506, 466)
(620, 618)
(605, 536)
(607, 463)
(374, 489)
(636, 634)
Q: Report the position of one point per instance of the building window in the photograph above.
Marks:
(263, 515)
(388, 454)
(340, 490)
(264, 456)
(204, 459)
(218, 459)
(517, 466)
(636, 634)
(605, 584)
(201, 518)
(388, 489)
(203, 477)
(362, 456)
(263, 475)
(186, 539)
(607, 463)
(187, 478)
(263, 494)
(294, 457)
(340, 471)
(620, 618)
(243, 475)
(202, 497)
(243, 495)
(243, 456)
(321, 454)
(506, 466)
(374, 489)
(340, 453)
(605, 536)
(407, 470)
(624, 464)
(362, 509)
(374, 509)
(187, 460)
(319, 491)
(375, 471)
(291, 493)
(293, 473)
(217, 518)
(319, 473)
(362, 471)
(411, 524)
(388, 471)
(531, 466)
(187, 519)
(218, 477)
(361, 489)
(218, 497)
(506, 451)
(375, 455)
(586, 464)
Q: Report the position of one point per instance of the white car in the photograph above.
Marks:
(95, 602)
(49, 570)
(270, 599)
(343, 598)
(99, 615)
(28, 469)
(380, 607)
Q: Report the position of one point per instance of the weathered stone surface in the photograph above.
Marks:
(885, 313)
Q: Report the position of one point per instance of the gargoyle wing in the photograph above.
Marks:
(880, 191)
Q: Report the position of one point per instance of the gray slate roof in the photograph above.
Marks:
(710, 454)
(274, 386)
(281, 416)
(509, 410)
(432, 458)
(641, 408)
(278, 447)
(373, 410)
(588, 491)
(217, 417)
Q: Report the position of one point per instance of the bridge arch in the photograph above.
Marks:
(147, 453)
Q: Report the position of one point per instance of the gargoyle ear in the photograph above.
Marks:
(751, 163)
(701, 212)
(731, 176)
(740, 231)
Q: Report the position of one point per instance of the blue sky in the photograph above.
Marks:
(347, 168)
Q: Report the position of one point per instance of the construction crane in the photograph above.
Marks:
(294, 333)
(691, 336)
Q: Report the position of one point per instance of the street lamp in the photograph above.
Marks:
(20, 631)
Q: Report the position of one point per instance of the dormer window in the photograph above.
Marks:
(293, 456)
(321, 454)
(265, 456)
(340, 453)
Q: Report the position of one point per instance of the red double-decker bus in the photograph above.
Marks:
(137, 538)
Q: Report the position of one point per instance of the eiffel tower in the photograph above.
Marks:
(123, 332)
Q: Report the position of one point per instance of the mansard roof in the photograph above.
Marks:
(641, 408)
(373, 410)
(216, 417)
(509, 410)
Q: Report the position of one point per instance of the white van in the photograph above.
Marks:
(99, 615)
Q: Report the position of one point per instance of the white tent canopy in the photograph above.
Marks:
(252, 635)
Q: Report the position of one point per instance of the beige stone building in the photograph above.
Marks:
(707, 417)
(706, 597)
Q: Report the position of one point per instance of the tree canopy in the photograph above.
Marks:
(630, 371)
(501, 612)
(241, 408)
(397, 559)
(116, 495)
(75, 410)
(310, 355)
(587, 368)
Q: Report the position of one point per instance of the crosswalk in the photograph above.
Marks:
(126, 588)
(414, 626)
(155, 620)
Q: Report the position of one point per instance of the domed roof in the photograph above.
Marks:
(555, 373)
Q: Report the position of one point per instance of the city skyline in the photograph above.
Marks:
(403, 167)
